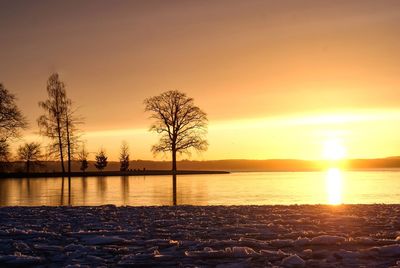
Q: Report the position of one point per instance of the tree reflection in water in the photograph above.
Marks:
(174, 203)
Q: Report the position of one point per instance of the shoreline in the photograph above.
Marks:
(169, 172)
(193, 236)
(108, 173)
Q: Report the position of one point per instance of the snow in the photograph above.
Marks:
(193, 236)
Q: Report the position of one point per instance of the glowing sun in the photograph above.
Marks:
(334, 150)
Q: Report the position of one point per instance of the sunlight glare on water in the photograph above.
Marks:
(334, 186)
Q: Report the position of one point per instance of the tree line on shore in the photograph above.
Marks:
(182, 126)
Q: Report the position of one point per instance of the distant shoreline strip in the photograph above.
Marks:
(108, 173)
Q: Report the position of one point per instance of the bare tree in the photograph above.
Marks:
(101, 160)
(52, 122)
(182, 125)
(11, 121)
(82, 156)
(30, 153)
(124, 156)
(59, 122)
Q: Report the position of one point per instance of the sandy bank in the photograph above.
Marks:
(242, 236)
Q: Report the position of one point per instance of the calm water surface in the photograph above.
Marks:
(244, 188)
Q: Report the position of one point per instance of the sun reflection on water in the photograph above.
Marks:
(334, 186)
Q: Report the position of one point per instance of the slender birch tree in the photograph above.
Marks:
(52, 122)
(59, 122)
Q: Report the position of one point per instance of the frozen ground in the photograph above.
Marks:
(237, 236)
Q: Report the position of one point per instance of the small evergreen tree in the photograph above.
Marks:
(124, 157)
(101, 160)
(84, 165)
(83, 155)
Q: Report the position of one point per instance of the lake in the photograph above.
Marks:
(239, 188)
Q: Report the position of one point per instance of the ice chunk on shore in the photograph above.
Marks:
(327, 240)
(44, 247)
(103, 240)
(293, 261)
(344, 254)
(138, 260)
(242, 264)
(388, 251)
(19, 260)
(251, 242)
(363, 241)
(208, 253)
(74, 247)
(241, 252)
(273, 255)
(234, 252)
(279, 243)
(301, 242)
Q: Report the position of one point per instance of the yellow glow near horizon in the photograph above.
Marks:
(334, 186)
(319, 136)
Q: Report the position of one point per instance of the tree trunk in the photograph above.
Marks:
(60, 146)
(174, 202)
(173, 160)
(69, 154)
(69, 159)
(27, 166)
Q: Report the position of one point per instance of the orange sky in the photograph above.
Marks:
(278, 79)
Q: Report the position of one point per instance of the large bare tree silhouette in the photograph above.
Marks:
(181, 124)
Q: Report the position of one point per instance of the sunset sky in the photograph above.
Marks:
(278, 79)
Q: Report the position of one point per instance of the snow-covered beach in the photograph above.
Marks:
(201, 236)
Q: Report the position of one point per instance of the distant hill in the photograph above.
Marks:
(231, 165)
